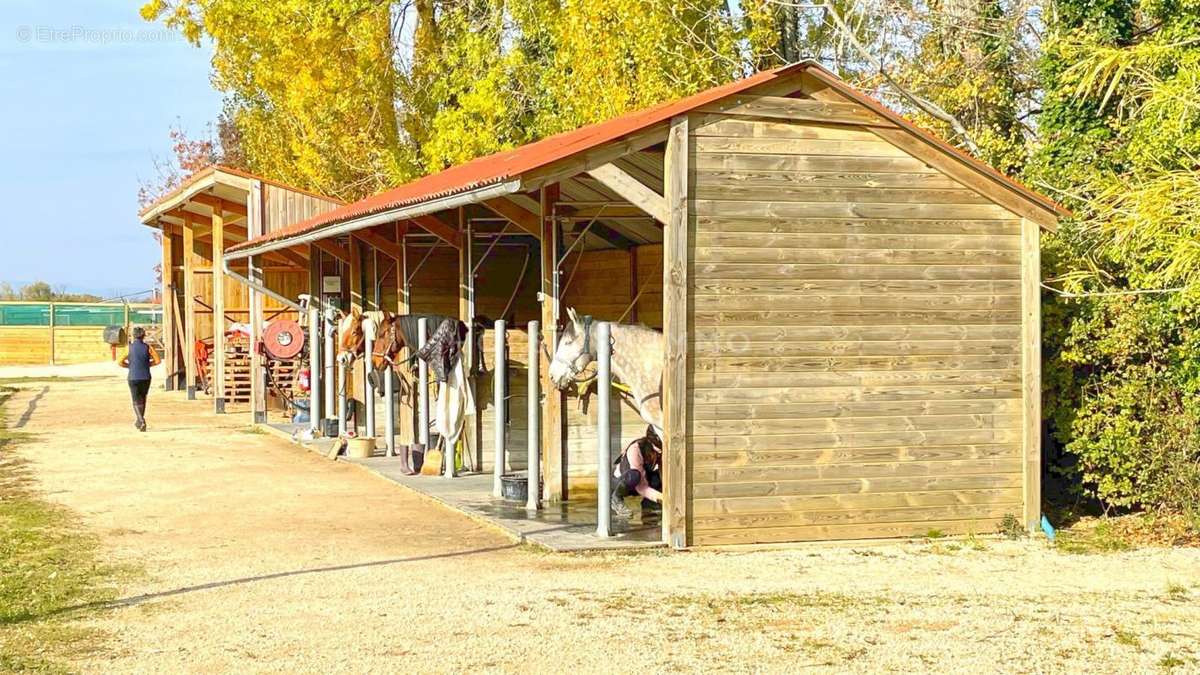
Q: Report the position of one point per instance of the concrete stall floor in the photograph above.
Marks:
(568, 526)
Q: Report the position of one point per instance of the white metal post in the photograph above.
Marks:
(342, 367)
(330, 363)
(603, 451)
(389, 410)
(368, 386)
(314, 368)
(499, 382)
(423, 385)
(534, 439)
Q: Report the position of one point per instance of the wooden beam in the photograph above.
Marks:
(580, 162)
(168, 307)
(554, 461)
(440, 230)
(406, 410)
(292, 256)
(218, 304)
(333, 249)
(189, 309)
(255, 226)
(632, 190)
(216, 203)
(357, 300)
(515, 214)
(388, 248)
(676, 501)
(472, 425)
(832, 112)
(1031, 372)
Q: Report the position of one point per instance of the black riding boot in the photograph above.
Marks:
(622, 488)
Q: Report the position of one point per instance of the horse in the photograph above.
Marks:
(389, 339)
(637, 362)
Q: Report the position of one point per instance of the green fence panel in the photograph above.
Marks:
(145, 317)
(76, 314)
(89, 315)
(24, 315)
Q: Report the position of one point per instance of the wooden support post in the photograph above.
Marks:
(357, 301)
(218, 305)
(256, 227)
(634, 284)
(168, 308)
(407, 406)
(51, 319)
(675, 338)
(1031, 371)
(554, 464)
(356, 275)
(472, 429)
(189, 309)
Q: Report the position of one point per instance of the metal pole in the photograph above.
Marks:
(330, 363)
(368, 386)
(603, 451)
(341, 397)
(499, 377)
(314, 368)
(423, 385)
(389, 412)
(534, 439)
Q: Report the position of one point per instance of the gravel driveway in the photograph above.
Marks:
(260, 557)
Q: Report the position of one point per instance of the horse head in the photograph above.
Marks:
(350, 335)
(389, 340)
(576, 349)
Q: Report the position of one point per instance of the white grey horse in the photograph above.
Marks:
(637, 362)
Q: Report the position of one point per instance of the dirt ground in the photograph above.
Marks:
(261, 557)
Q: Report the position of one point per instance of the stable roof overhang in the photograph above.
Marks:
(536, 164)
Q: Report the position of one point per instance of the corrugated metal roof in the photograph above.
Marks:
(508, 165)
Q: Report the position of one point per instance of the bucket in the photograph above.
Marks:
(360, 448)
(514, 487)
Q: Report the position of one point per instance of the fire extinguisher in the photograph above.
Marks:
(305, 379)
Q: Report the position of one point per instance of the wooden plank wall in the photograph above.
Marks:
(30, 345)
(603, 284)
(286, 207)
(855, 358)
(24, 345)
(237, 298)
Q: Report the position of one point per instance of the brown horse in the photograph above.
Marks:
(389, 339)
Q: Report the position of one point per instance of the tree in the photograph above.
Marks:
(310, 87)
(1121, 126)
(188, 156)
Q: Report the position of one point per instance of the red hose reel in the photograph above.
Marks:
(283, 339)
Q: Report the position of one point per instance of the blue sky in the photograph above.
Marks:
(88, 93)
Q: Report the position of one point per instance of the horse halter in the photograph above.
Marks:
(587, 343)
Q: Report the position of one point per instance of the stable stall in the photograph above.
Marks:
(210, 320)
(849, 307)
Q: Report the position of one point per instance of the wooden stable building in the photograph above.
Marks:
(212, 210)
(849, 305)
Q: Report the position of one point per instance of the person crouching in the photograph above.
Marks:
(638, 471)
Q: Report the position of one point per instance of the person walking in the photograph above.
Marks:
(140, 359)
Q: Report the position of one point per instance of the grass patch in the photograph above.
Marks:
(1097, 536)
(1109, 534)
(1170, 662)
(50, 572)
(1127, 638)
